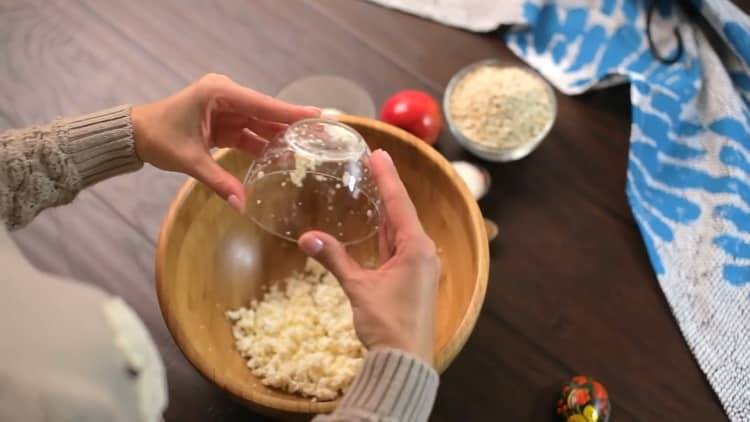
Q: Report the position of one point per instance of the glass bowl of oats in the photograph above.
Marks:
(314, 176)
(499, 111)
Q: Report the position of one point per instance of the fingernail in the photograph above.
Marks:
(386, 156)
(330, 113)
(313, 109)
(235, 203)
(311, 245)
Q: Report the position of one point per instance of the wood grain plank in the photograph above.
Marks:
(48, 72)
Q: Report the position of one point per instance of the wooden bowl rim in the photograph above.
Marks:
(443, 357)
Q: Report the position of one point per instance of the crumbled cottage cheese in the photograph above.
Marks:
(302, 165)
(300, 337)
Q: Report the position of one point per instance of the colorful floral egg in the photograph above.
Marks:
(584, 399)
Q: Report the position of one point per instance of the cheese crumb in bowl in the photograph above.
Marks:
(300, 337)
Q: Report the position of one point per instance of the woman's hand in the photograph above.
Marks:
(176, 133)
(394, 305)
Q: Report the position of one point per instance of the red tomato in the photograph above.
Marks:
(416, 112)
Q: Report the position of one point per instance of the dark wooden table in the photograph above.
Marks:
(571, 289)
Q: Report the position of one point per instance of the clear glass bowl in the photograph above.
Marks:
(489, 153)
(315, 176)
(331, 93)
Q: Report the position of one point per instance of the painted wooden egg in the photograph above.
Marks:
(584, 399)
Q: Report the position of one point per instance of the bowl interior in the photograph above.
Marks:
(210, 259)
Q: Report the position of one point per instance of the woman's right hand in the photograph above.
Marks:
(393, 305)
(178, 132)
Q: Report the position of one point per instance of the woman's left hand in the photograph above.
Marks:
(177, 133)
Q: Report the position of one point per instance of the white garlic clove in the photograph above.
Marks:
(476, 178)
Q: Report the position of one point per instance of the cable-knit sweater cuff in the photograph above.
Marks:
(394, 385)
(100, 144)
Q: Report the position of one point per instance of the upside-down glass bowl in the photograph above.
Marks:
(315, 176)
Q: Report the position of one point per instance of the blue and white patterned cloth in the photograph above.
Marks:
(688, 179)
(689, 166)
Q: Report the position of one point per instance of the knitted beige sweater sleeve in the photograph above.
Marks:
(392, 386)
(45, 166)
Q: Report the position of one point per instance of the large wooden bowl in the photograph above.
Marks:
(210, 259)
